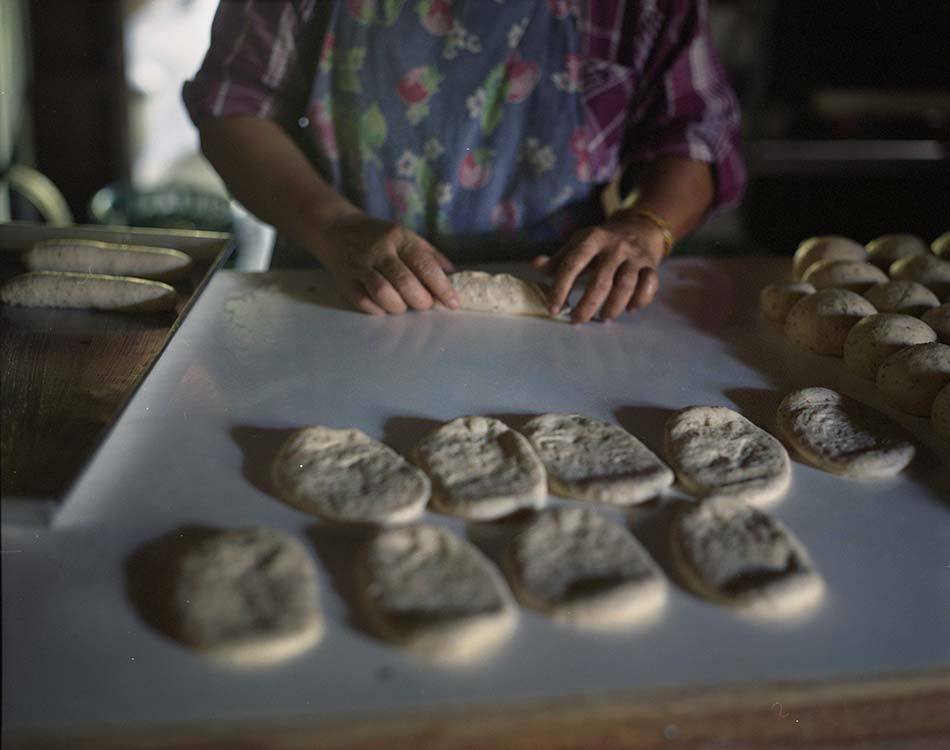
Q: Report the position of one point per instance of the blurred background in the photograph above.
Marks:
(846, 111)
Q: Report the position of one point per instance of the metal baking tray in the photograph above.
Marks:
(67, 374)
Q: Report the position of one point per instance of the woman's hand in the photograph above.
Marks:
(382, 267)
(620, 256)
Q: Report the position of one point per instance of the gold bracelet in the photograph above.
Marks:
(660, 224)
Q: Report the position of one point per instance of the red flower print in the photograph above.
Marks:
(475, 169)
(521, 76)
(436, 16)
(362, 10)
(418, 85)
(399, 193)
(506, 215)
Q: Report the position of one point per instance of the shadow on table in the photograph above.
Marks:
(339, 547)
(260, 446)
(646, 422)
(150, 574)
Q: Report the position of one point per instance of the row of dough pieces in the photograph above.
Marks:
(250, 596)
(896, 334)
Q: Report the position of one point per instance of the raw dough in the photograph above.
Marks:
(939, 320)
(907, 297)
(582, 569)
(718, 452)
(433, 592)
(480, 469)
(842, 436)
(928, 270)
(89, 256)
(733, 554)
(853, 275)
(941, 246)
(890, 247)
(247, 597)
(876, 337)
(499, 293)
(831, 247)
(912, 377)
(940, 413)
(345, 475)
(821, 321)
(88, 291)
(776, 300)
(587, 459)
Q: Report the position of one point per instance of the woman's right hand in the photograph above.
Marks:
(382, 267)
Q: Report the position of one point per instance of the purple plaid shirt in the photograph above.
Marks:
(655, 84)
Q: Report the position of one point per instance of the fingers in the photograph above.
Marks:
(381, 292)
(361, 300)
(570, 265)
(405, 282)
(544, 264)
(647, 287)
(599, 288)
(625, 284)
(429, 266)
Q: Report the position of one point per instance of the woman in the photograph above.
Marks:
(386, 135)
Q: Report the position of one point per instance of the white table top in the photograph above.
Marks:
(264, 353)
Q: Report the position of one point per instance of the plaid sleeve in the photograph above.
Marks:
(254, 63)
(683, 103)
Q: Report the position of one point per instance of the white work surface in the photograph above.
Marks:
(264, 353)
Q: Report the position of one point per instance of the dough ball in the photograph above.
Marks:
(88, 291)
(876, 337)
(906, 297)
(939, 319)
(928, 270)
(941, 246)
(853, 275)
(940, 413)
(579, 568)
(821, 321)
(776, 300)
(344, 475)
(499, 293)
(734, 554)
(890, 247)
(434, 593)
(912, 377)
(842, 436)
(825, 247)
(718, 452)
(248, 597)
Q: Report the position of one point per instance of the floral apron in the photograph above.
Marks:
(461, 119)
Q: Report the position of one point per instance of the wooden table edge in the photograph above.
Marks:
(907, 711)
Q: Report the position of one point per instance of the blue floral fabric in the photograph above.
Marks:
(461, 119)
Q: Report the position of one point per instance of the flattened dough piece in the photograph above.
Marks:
(344, 475)
(884, 250)
(248, 597)
(912, 377)
(91, 256)
(718, 452)
(480, 469)
(579, 568)
(434, 593)
(939, 320)
(734, 554)
(842, 436)
(941, 246)
(830, 247)
(775, 300)
(821, 321)
(940, 413)
(854, 275)
(499, 293)
(876, 337)
(905, 297)
(587, 459)
(88, 292)
(928, 270)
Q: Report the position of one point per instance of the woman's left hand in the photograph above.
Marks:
(620, 256)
